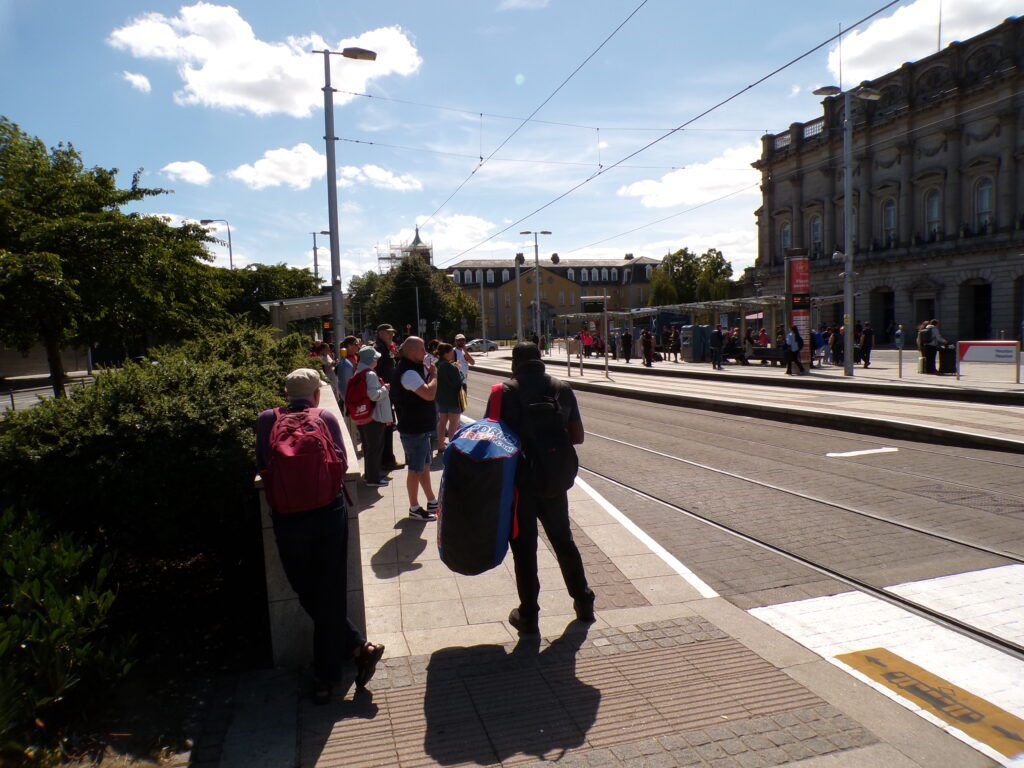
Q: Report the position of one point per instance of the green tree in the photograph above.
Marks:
(692, 277)
(100, 275)
(663, 289)
(394, 295)
(245, 288)
(361, 291)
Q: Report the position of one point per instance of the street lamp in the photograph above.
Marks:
(337, 300)
(231, 255)
(536, 278)
(866, 94)
(316, 265)
(519, 301)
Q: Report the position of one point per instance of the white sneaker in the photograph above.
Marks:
(419, 513)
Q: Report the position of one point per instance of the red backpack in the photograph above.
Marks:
(304, 471)
(358, 404)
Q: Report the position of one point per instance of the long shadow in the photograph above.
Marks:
(409, 543)
(484, 705)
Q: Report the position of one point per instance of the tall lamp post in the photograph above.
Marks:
(316, 264)
(866, 94)
(519, 301)
(536, 278)
(337, 299)
(231, 253)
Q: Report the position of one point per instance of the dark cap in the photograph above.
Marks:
(524, 352)
(385, 327)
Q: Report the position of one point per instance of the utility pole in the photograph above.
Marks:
(519, 302)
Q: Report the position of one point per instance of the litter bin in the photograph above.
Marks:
(947, 360)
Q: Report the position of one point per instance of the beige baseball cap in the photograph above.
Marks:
(302, 383)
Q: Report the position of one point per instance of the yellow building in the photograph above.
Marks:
(625, 281)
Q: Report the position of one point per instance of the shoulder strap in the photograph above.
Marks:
(494, 404)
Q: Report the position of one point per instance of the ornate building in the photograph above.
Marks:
(938, 193)
(625, 281)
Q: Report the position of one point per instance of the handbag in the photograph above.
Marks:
(463, 400)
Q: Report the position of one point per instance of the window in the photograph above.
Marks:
(816, 243)
(468, 277)
(889, 223)
(457, 275)
(785, 237)
(490, 301)
(490, 276)
(571, 274)
(572, 298)
(932, 215)
(583, 275)
(983, 206)
(641, 303)
(615, 275)
(604, 275)
(627, 276)
(508, 299)
(593, 275)
(479, 275)
(561, 298)
(504, 275)
(648, 270)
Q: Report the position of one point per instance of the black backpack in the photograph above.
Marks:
(549, 464)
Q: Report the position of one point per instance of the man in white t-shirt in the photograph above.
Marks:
(417, 420)
(464, 359)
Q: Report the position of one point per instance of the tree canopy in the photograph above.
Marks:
(245, 288)
(391, 298)
(685, 277)
(76, 269)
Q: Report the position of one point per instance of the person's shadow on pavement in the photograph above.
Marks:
(484, 705)
(409, 544)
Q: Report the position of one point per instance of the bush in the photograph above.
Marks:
(54, 643)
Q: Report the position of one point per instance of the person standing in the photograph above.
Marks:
(675, 345)
(449, 395)
(933, 340)
(627, 345)
(385, 370)
(716, 343)
(374, 433)
(313, 542)
(346, 365)
(530, 385)
(414, 389)
(793, 344)
(867, 342)
(464, 359)
(647, 347)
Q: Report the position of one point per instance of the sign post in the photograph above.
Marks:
(899, 347)
(988, 352)
(595, 304)
(798, 300)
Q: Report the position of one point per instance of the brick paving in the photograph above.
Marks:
(675, 693)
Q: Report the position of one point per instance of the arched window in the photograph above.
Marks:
(932, 215)
(785, 237)
(815, 231)
(604, 274)
(468, 277)
(571, 274)
(457, 275)
(490, 276)
(648, 270)
(583, 275)
(479, 275)
(983, 206)
(889, 223)
(615, 275)
(593, 275)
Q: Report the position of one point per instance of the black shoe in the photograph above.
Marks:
(524, 625)
(366, 662)
(584, 609)
(322, 692)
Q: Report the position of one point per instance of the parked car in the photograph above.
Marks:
(482, 345)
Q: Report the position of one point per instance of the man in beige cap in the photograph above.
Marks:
(299, 449)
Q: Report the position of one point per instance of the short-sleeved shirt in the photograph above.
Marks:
(460, 358)
(412, 381)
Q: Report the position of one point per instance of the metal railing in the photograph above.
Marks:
(783, 140)
(814, 127)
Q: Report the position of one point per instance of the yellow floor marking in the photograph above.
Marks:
(978, 718)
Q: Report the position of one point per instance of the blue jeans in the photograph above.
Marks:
(417, 451)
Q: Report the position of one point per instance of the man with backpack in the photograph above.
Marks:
(794, 343)
(544, 413)
(301, 459)
(413, 390)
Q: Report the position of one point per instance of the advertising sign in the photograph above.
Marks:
(988, 352)
(799, 294)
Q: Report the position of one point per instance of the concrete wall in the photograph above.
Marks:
(291, 631)
(13, 363)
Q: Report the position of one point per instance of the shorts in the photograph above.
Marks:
(453, 410)
(417, 451)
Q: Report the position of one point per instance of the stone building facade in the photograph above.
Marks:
(625, 281)
(938, 193)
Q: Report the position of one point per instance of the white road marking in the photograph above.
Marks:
(866, 452)
(691, 578)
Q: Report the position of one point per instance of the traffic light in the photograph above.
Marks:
(327, 325)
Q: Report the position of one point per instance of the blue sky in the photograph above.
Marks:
(222, 105)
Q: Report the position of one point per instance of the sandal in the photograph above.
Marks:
(366, 662)
(321, 692)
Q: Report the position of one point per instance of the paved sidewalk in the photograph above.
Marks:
(664, 677)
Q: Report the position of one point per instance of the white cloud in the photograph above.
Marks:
(138, 82)
(189, 171)
(297, 167)
(700, 183)
(910, 33)
(222, 63)
(794, 91)
(378, 177)
(522, 5)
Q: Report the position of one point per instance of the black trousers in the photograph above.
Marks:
(554, 516)
(930, 353)
(865, 356)
(388, 456)
(313, 547)
(373, 436)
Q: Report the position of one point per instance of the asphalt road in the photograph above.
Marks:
(969, 495)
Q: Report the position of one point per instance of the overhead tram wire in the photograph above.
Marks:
(538, 109)
(880, 144)
(675, 130)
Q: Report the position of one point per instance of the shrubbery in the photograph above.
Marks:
(148, 462)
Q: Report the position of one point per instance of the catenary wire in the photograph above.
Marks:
(538, 109)
(675, 130)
